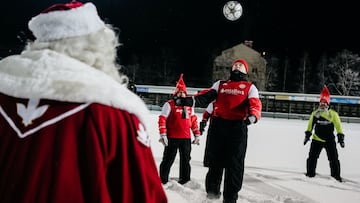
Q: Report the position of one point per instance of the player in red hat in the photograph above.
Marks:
(237, 106)
(176, 125)
(323, 121)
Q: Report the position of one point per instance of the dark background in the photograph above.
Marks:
(191, 32)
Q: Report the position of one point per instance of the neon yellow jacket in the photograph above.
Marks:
(324, 123)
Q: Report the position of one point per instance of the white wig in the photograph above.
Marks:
(98, 49)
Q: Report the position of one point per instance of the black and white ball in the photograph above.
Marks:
(232, 10)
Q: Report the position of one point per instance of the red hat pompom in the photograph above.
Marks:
(63, 7)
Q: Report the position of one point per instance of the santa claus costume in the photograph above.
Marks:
(70, 130)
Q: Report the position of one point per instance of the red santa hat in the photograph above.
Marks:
(325, 95)
(65, 20)
(243, 62)
(180, 85)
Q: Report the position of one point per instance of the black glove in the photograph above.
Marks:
(251, 119)
(202, 126)
(341, 139)
(183, 101)
(307, 137)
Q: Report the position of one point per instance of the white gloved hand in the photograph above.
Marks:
(250, 120)
(196, 140)
(163, 139)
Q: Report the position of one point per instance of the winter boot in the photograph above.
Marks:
(211, 195)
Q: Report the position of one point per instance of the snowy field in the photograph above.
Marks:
(274, 167)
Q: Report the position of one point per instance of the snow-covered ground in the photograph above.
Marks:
(275, 166)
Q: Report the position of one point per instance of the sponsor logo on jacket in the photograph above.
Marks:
(232, 91)
(325, 122)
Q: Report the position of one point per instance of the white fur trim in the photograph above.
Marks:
(49, 75)
(62, 24)
(44, 124)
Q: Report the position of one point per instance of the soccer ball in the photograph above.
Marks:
(232, 10)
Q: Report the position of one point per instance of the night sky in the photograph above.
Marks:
(194, 30)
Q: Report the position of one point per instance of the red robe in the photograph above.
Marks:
(54, 150)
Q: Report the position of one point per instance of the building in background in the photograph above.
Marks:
(257, 64)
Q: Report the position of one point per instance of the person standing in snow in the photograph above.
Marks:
(237, 106)
(323, 121)
(175, 126)
(70, 130)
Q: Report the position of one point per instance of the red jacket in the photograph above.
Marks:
(172, 123)
(209, 111)
(236, 100)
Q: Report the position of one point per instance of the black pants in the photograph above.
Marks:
(225, 151)
(332, 154)
(184, 146)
